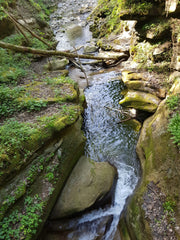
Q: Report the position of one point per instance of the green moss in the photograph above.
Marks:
(18, 140)
(140, 100)
(111, 13)
(58, 80)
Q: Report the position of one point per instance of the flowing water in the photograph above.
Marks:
(107, 139)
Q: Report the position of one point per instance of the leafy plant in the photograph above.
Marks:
(169, 206)
(8, 103)
(173, 101)
(18, 225)
(49, 176)
(14, 133)
(33, 105)
(13, 65)
(174, 128)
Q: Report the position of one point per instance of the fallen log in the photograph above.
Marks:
(48, 53)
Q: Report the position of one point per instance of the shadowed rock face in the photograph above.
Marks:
(6, 27)
(88, 183)
(160, 163)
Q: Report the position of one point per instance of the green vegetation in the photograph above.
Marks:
(169, 206)
(39, 6)
(174, 128)
(142, 52)
(173, 101)
(51, 172)
(21, 224)
(8, 96)
(56, 81)
(21, 98)
(112, 12)
(13, 134)
(24, 132)
(15, 65)
(158, 27)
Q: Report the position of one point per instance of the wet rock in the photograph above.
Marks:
(119, 55)
(146, 87)
(74, 31)
(171, 5)
(90, 48)
(29, 21)
(58, 64)
(120, 42)
(176, 86)
(140, 100)
(89, 183)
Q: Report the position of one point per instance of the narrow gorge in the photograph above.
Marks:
(89, 149)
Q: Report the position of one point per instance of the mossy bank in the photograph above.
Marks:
(40, 132)
(152, 71)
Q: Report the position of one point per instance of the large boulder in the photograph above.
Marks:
(140, 100)
(88, 183)
(57, 64)
(74, 31)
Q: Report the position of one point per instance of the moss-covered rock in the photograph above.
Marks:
(39, 184)
(24, 136)
(160, 164)
(140, 100)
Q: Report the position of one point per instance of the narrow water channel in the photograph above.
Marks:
(107, 139)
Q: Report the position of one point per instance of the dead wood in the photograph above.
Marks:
(13, 19)
(127, 119)
(47, 53)
(17, 25)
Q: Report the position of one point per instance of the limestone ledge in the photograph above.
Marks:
(141, 94)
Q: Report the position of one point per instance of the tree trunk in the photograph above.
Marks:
(17, 48)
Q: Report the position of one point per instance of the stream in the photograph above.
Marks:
(107, 139)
